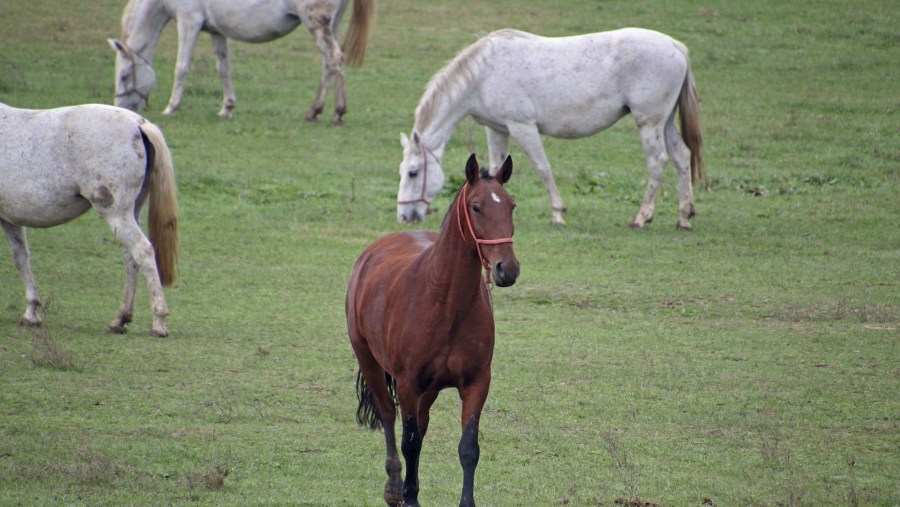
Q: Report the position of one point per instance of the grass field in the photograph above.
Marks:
(753, 361)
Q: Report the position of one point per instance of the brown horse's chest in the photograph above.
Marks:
(447, 356)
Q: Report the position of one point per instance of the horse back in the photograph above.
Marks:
(585, 82)
(385, 262)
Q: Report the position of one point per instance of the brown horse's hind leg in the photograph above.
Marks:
(375, 380)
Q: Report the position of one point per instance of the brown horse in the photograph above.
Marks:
(420, 320)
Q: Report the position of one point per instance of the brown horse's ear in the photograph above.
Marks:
(472, 170)
(505, 170)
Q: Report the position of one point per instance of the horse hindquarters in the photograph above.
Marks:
(156, 259)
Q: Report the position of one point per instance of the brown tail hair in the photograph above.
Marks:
(689, 109)
(354, 46)
(163, 212)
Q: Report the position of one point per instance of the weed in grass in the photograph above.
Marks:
(45, 353)
(206, 480)
(621, 461)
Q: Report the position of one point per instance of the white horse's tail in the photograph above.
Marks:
(354, 46)
(163, 211)
(689, 108)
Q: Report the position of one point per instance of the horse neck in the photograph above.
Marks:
(454, 262)
(142, 25)
(437, 117)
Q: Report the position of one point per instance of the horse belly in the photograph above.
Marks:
(250, 21)
(40, 208)
(572, 121)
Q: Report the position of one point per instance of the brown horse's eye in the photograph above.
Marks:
(476, 208)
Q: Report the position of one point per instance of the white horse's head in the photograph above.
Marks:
(421, 178)
(134, 78)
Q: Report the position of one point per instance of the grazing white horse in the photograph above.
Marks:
(55, 164)
(522, 85)
(243, 20)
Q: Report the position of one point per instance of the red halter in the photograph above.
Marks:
(478, 242)
(422, 198)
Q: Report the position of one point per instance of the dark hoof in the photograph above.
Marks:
(635, 225)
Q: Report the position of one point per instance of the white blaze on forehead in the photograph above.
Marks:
(495, 197)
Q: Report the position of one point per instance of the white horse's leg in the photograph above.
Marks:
(654, 151)
(223, 66)
(332, 68)
(529, 139)
(129, 233)
(188, 30)
(126, 310)
(18, 244)
(681, 158)
(498, 148)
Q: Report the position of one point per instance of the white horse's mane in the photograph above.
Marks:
(457, 75)
(128, 19)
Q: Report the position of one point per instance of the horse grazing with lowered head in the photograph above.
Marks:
(243, 20)
(420, 320)
(55, 164)
(522, 85)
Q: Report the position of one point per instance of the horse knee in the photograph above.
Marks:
(469, 450)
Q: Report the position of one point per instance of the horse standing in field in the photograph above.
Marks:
(55, 164)
(420, 320)
(243, 20)
(522, 85)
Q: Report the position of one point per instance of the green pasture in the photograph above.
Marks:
(753, 361)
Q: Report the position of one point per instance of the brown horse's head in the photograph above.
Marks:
(485, 212)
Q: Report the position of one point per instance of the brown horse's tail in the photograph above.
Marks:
(354, 46)
(689, 107)
(163, 212)
(367, 413)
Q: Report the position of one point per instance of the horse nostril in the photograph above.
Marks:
(505, 276)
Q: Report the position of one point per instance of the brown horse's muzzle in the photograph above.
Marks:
(505, 273)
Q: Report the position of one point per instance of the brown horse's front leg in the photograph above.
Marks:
(411, 446)
(469, 452)
(473, 399)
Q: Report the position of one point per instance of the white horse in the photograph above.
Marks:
(55, 164)
(243, 20)
(522, 85)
